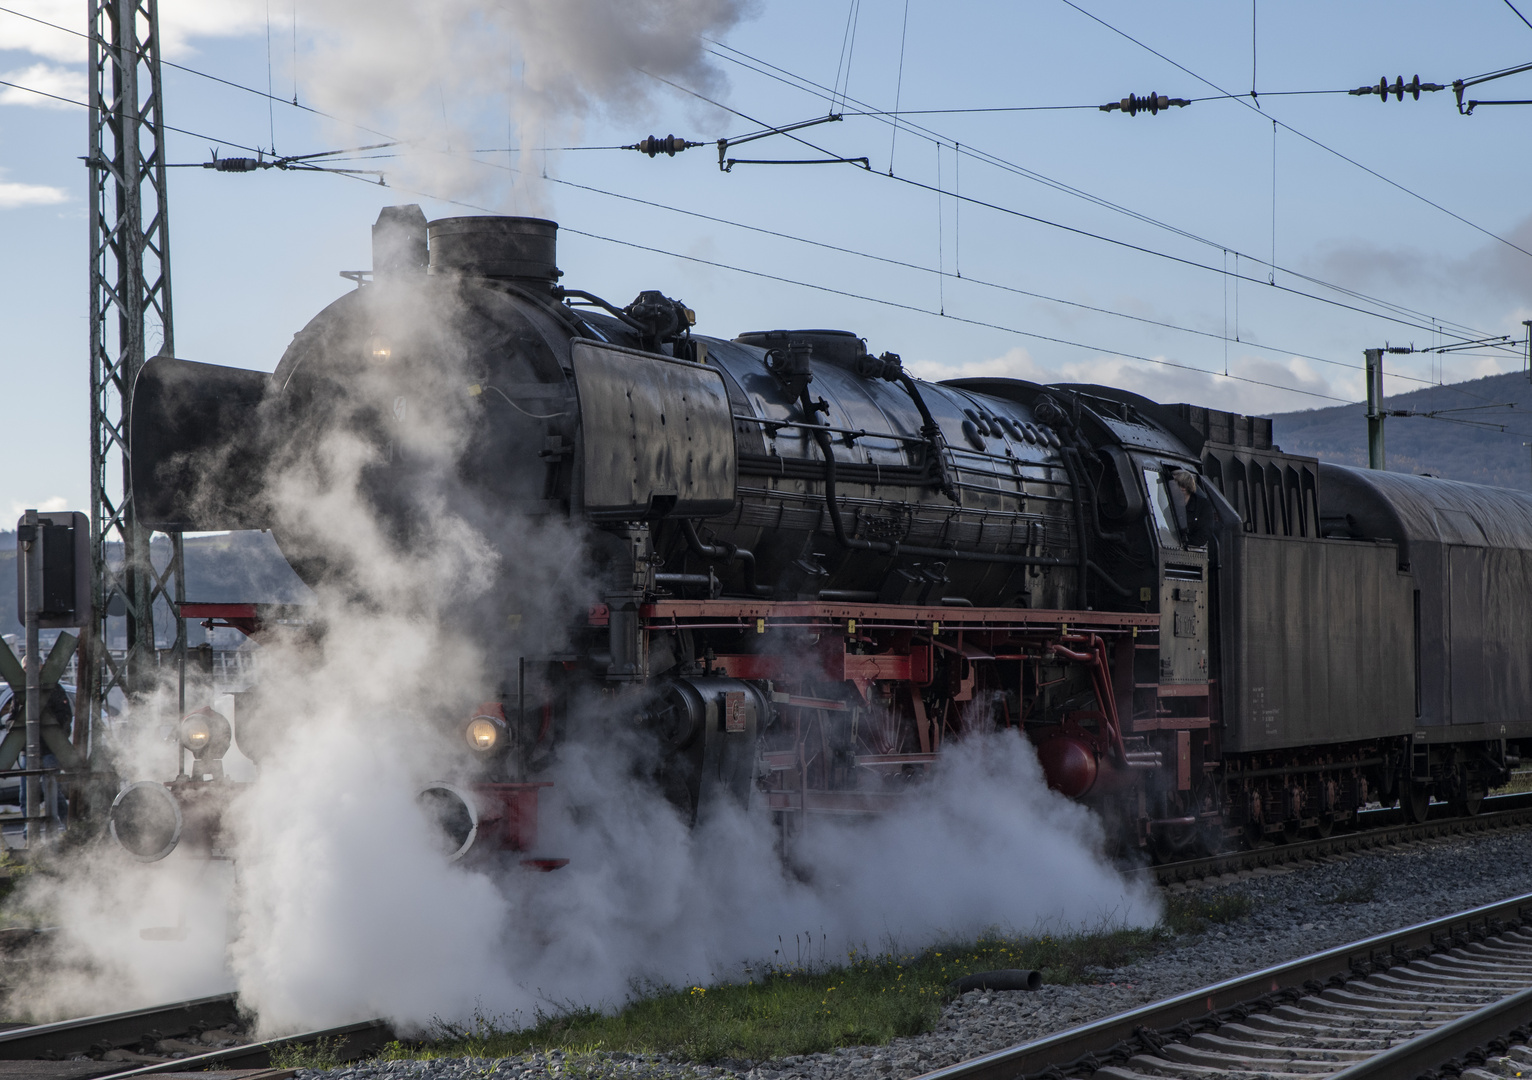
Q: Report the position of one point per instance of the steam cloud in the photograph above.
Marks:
(444, 77)
(340, 905)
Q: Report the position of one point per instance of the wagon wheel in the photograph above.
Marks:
(1415, 800)
(1211, 838)
(1329, 796)
(1468, 800)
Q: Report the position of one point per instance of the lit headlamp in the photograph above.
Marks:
(206, 733)
(195, 733)
(485, 733)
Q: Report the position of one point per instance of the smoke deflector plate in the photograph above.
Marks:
(657, 435)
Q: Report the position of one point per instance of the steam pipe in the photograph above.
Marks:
(1070, 654)
(616, 312)
(1095, 507)
(727, 552)
(822, 437)
(1070, 457)
(931, 432)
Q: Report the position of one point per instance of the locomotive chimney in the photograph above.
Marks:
(513, 248)
(398, 242)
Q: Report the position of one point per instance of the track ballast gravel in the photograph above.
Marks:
(1296, 911)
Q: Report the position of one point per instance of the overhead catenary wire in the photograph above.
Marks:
(903, 264)
(807, 85)
(848, 44)
(168, 127)
(803, 284)
(915, 308)
(1414, 323)
(140, 54)
(982, 156)
(925, 133)
(964, 110)
(898, 86)
(1307, 138)
(743, 270)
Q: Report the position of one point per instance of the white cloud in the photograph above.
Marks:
(1166, 383)
(180, 22)
(53, 504)
(63, 82)
(25, 35)
(13, 196)
(183, 20)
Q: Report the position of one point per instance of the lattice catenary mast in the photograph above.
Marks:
(129, 312)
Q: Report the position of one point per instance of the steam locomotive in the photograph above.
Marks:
(812, 571)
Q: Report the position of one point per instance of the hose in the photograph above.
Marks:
(726, 552)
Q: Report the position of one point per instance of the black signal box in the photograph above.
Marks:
(65, 550)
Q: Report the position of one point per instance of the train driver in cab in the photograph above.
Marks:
(1198, 508)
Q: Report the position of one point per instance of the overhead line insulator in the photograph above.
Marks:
(670, 145)
(1398, 89)
(1152, 104)
(236, 164)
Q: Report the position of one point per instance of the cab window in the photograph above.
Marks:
(1160, 505)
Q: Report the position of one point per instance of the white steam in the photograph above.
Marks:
(340, 905)
(456, 76)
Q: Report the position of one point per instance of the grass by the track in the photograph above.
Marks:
(805, 1007)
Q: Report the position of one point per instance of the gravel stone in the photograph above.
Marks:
(1296, 912)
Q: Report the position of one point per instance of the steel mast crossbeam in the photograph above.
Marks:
(129, 306)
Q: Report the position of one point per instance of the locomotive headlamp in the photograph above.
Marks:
(484, 733)
(207, 734)
(195, 733)
(378, 349)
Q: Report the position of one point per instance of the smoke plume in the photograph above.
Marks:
(339, 903)
(458, 76)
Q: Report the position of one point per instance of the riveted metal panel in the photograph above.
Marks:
(1321, 649)
(657, 435)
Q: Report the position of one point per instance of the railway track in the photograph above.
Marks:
(206, 1033)
(1498, 812)
(1456, 990)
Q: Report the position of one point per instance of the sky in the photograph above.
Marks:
(1240, 252)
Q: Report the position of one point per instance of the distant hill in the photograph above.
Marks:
(1414, 444)
(243, 566)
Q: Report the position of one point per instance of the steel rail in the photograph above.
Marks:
(72, 1038)
(347, 1042)
(68, 1038)
(1080, 1046)
(1450, 1042)
(1517, 813)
